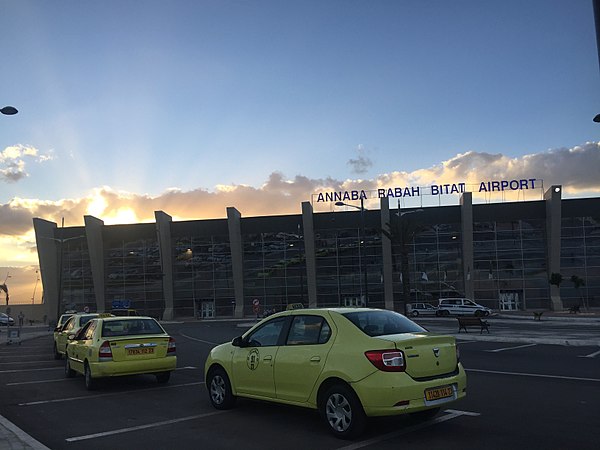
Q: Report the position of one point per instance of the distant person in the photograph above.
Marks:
(21, 318)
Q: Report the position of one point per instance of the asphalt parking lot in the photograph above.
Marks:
(521, 395)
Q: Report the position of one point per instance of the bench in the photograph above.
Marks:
(464, 322)
(537, 315)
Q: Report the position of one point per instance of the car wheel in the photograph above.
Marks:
(56, 354)
(414, 313)
(163, 377)
(422, 416)
(219, 389)
(478, 313)
(90, 383)
(445, 313)
(343, 412)
(69, 373)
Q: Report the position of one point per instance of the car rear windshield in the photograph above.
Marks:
(381, 323)
(130, 327)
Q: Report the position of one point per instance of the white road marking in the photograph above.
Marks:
(452, 414)
(70, 379)
(538, 375)
(31, 370)
(199, 340)
(591, 355)
(25, 362)
(510, 348)
(25, 355)
(142, 427)
(111, 394)
(40, 381)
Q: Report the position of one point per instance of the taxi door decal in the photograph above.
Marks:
(252, 359)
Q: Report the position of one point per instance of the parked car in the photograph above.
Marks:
(6, 320)
(124, 312)
(348, 363)
(461, 307)
(421, 309)
(116, 346)
(71, 326)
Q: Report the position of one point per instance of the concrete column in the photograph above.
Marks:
(234, 223)
(93, 232)
(163, 232)
(552, 198)
(466, 219)
(309, 252)
(386, 246)
(47, 249)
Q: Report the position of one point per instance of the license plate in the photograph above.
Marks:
(140, 351)
(440, 392)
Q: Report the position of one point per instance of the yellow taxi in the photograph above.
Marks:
(348, 363)
(116, 346)
(71, 326)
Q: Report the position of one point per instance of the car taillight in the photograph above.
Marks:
(171, 349)
(105, 353)
(387, 360)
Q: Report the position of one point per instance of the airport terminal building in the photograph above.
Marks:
(502, 255)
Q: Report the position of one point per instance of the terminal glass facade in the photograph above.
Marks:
(76, 275)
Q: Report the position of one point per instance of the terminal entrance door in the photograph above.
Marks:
(207, 310)
(510, 300)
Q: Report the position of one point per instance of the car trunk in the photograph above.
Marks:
(426, 355)
(132, 348)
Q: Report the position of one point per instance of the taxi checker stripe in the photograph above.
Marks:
(142, 427)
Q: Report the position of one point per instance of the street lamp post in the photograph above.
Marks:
(9, 110)
(363, 243)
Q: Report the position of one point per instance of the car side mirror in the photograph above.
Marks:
(57, 329)
(71, 337)
(238, 342)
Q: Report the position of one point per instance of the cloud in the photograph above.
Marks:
(575, 168)
(362, 164)
(13, 161)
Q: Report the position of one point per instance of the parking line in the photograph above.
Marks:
(31, 370)
(40, 381)
(591, 355)
(111, 394)
(142, 427)
(538, 375)
(509, 348)
(199, 340)
(452, 414)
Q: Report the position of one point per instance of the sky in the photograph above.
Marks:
(127, 107)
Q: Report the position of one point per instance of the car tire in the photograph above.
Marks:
(163, 377)
(342, 411)
(69, 373)
(414, 313)
(90, 382)
(56, 354)
(219, 389)
(422, 416)
(445, 313)
(478, 313)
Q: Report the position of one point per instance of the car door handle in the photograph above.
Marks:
(267, 358)
(315, 359)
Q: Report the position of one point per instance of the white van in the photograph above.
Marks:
(461, 307)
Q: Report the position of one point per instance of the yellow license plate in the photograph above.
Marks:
(139, 351)
(440, 392)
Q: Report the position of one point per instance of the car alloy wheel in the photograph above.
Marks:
(415, 313)
(219, 389)
(343, 412)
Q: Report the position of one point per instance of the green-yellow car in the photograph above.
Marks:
(116, 346)
(349, 363)
(72, 325)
